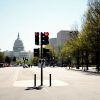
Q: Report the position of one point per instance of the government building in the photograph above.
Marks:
(62, 37)
(18, 50)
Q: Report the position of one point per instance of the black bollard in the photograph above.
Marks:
(34, 80)
(50, 79)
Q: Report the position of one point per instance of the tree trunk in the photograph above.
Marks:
(97, 61)
(87, 60)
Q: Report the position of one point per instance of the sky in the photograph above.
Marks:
(29, 16)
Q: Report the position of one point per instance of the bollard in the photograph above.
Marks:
(50, 79)
(34, 80)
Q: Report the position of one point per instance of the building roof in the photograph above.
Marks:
(18, 45)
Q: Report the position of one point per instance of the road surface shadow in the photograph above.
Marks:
(34, 88)
(91, 73)
(87, 72)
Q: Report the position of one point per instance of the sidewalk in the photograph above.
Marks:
(90, 69)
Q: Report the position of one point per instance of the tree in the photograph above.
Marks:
(51, 55)
(35, 61)
(8, 60)
(1, 57)
(91, 29)
(70, 47)
(14, 59)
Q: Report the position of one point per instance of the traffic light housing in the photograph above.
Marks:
(37, 38)
(45, 52)
(44, 38)
(36, 52)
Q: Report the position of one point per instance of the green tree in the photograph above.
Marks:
(91, 30)
(19, 62)
(8, 60)
(70, 47)
(35, 61)
(2, 57)
(51, 56)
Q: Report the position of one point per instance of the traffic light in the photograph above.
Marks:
(44, 38)
(37, 38)
(36, 52)
(45, 52)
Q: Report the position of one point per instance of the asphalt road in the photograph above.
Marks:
(16, 84)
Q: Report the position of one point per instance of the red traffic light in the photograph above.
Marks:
(36, 33)
(46, 33)
(37, 38)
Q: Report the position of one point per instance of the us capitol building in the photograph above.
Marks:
(18, 50)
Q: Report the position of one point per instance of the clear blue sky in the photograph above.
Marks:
(28, 16)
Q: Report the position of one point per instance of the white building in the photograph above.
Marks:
(18, 50)
(63, 36)
(53, 42)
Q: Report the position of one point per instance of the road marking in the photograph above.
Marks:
(30, 83)
(16, 74)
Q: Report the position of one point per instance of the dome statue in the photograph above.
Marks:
(18, 45)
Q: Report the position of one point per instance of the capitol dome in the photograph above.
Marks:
(18, 45)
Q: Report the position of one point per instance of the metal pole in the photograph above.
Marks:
(50, 79)
(41, 63)
(34, 80)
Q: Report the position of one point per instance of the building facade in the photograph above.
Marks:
(53, 42)
(18, 50)
(18, 45)
(63, 36)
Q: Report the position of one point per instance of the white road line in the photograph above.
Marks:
(16, 75)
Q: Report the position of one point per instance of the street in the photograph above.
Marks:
(66, 84)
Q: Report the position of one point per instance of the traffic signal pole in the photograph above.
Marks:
(41, 63)
(44, 40)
